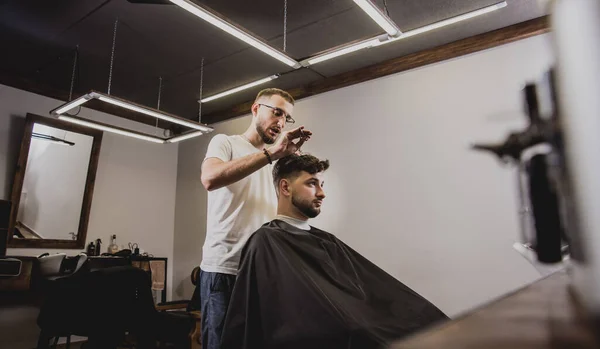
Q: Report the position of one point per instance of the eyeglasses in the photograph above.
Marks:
(278, 112)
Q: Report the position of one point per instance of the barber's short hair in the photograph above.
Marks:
(290, 166)
(268, 92)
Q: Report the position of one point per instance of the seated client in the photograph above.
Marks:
(301, 287)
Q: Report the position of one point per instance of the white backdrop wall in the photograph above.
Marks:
(403, 188)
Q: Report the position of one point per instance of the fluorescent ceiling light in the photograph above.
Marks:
(74, 103)
(185, 136)
(379, 17)
(341, 51)
(378, 41)
(107, 128)
(445, 22)
(131, 106)
(240, 88)
(150, 112)
(232, 30)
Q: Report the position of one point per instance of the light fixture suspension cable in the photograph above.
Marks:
(112, 55)
(201, 83)
(159, 92)
(158, 103)
(284, 25)
(73, 73)
(385, 7)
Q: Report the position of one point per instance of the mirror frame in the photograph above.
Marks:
(30, 121)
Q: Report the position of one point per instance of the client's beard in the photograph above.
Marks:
(263, 135)
(306, 207)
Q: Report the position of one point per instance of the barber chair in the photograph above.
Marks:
(107, 304)
(185, 337)
(102, 305)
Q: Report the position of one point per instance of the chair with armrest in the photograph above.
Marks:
(183, 309)
(102, 305)
(106, 304)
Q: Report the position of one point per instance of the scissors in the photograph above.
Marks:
(133, 246)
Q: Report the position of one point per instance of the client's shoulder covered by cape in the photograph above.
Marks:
(277, 231)
(309, 288)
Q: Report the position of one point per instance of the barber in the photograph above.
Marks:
(237, 172)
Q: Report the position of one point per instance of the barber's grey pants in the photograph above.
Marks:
(215, 292)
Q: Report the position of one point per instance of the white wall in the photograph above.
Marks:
(403, 188)
(134, 195)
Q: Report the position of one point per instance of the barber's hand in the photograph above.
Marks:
(285, 144)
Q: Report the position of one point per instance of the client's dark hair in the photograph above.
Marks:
(291, 165)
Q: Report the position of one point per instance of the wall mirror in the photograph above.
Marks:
(53, 185)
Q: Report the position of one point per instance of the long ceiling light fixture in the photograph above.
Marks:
(65, 108)
(70, 105)
(184, 136)
(238, 89)
(62, 111)
(131, 106)
(445, 22)
(383, 20)
(229, 28)
(386, 39)
(341, 51)
(154, 113)
(112, 129)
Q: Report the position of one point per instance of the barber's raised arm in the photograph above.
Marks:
(218, 172)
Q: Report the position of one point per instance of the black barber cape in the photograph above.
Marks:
(309, 290)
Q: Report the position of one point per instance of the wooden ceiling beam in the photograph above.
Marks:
(437, 54)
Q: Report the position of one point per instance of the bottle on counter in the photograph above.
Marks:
(98, 247)
(113, 247)
(91, 249)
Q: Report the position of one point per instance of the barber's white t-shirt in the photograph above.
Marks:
(236, 211)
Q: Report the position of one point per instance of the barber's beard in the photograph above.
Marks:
(306, 207)
(264, 136)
